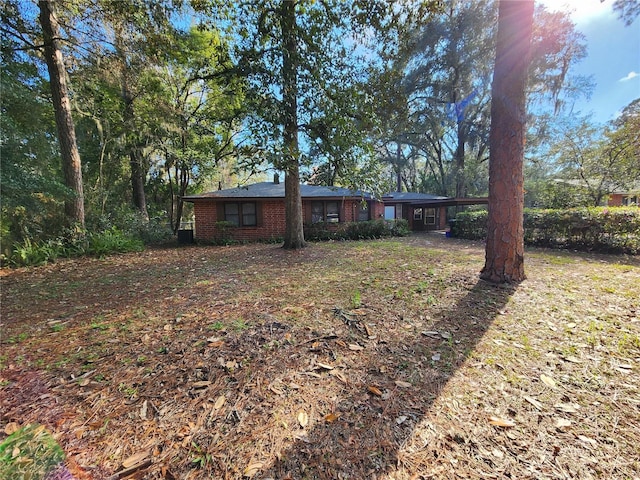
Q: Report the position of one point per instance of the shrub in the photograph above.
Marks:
(31, 253)
(604, 229)
(372, 229)
(131, 223)
(112, 241)
(224, 233)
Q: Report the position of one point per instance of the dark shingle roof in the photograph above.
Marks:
(411, 197)
(276, 190)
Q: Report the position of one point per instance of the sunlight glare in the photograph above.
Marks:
(581, 11)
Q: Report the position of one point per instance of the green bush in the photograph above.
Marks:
(130, 222)
(471, 225)
(224, 233)
(112, 241)
(602, 229)
(35, 253)
(372, 229)
(73, 244)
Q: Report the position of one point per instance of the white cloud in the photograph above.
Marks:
(629, 76)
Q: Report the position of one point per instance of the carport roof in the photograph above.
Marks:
(427, 200)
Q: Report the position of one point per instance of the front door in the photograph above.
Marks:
(389, 212)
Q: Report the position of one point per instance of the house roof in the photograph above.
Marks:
(410, 197)
(276, 190)
(427, 200)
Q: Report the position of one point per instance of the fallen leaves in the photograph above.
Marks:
(252, 469)
(303, 418)
(501, 422)
(331, 417)
(548, 381)
(403, 384)
(220, 401)
(374, 390)
(563, 424)
(534, 402)
(239, 393)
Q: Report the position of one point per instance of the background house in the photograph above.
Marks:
(628, 197)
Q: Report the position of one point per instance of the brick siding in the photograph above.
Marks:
(271, 223)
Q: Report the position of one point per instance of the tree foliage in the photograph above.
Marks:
(436, 113)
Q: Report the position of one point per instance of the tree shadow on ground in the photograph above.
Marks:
(146, 325)
(379, 408)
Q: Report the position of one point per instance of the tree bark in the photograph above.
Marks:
(71, 163)
(294, 231)
(138, 177)
(504, 255)
(133, 144)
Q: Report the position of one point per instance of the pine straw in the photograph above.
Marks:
(380, 360)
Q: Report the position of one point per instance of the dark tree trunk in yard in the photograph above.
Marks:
(138, 177)
(136, 155)
(294, 232)
(71, 164)
(504, 258)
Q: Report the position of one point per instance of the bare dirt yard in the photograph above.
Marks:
(383, 359)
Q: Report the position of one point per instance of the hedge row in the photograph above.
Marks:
(602, 229)
(356, 230)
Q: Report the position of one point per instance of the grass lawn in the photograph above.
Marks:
(383, 359)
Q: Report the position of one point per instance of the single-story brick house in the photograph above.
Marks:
(257, 211)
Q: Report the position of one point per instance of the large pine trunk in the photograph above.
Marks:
(71, 164)
(294, 231)
(504, 257)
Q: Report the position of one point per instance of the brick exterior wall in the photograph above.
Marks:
(271, 219)
(620, 199)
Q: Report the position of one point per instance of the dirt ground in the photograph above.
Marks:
(384, 359)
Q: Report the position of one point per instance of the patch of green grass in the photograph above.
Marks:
(95, 325)
(128, 391)
(216, 326)
(356, 300)
(421, 287)
(21, 337)
(628, 344)
(559, 260)
(30, 452)
(239, 325)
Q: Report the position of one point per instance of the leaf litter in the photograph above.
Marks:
(211, 362)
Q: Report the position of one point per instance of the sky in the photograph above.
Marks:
(613, 56)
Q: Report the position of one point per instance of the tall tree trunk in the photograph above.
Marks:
(138, 177)
(136, 155)
(294, 232)
(461, 184)
(504, 256)
(71, 164)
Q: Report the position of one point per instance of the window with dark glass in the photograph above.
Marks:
(325, 212)
(242, 214)
(333, 215)
(317, 212)
(363, 211)
(249, 214)
(417, 214)
(429, 216)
